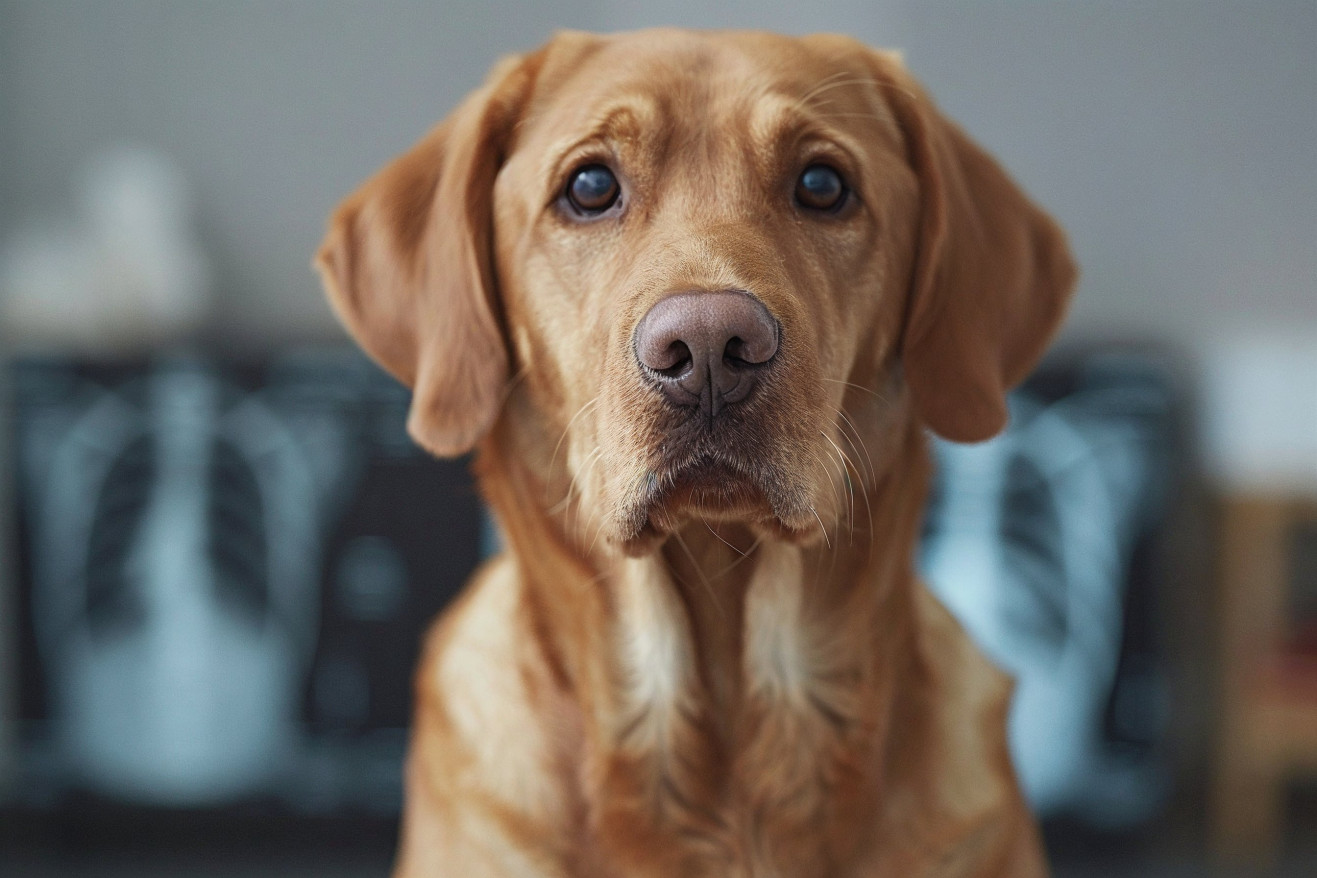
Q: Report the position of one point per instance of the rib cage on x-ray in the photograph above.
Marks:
(1029, 541)
(226, 569)
(177, 526)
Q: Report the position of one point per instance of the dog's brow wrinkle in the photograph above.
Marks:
(772, 117)
(630, 118)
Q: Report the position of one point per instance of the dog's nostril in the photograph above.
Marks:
(754, 350)
(675, 362)
(740, 354)
(732, 354)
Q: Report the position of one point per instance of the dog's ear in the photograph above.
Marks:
(407, 265)
(992, 274)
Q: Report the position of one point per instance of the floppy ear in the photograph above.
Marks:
(991, 279)
(407, 266)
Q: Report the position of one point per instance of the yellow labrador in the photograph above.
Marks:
(693, 299)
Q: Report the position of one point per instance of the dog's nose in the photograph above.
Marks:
(706, 349)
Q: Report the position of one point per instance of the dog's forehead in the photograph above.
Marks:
(667, 77)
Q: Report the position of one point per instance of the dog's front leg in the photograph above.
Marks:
(1023, 857)
(471, 838)
(485, 794)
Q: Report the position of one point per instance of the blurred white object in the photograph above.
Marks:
(1260, 413)
(127, 270)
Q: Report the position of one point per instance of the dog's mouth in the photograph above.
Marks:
(710, 489)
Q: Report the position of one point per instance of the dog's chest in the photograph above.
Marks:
(739, 786)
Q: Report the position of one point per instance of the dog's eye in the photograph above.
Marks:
(593, 189)
(820, 188)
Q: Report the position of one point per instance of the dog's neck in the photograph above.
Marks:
(724, 646)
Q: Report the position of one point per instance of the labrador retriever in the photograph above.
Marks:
(694, 299)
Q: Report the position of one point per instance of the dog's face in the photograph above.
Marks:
(714, 263)
(664, 181)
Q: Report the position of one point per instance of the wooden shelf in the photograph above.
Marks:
(1268, 729)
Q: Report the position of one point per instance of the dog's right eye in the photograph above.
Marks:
(592, 190)
(820, 188)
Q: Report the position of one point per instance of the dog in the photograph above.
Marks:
(694, 299)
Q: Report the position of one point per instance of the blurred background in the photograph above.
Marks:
(218, 548)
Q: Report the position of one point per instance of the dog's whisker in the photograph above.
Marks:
(599, 529)
(822, 529)
(841, 471)
(699, 574)
(847, 466)
(719, 536)
(873, 116)
(565, 430)
(741, 560)
(872, 474)
(577, 484)
(872, 477)
(837, 83)
(833, 77)
(825, 475)
(869, 390)
(868, 511)
(513, 381)
(573, 491)
(839, 505)
(904, 92)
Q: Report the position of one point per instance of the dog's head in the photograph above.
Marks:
(720, 266)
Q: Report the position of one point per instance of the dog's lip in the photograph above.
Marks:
(705, 480)
(712, 490)
(704, 486)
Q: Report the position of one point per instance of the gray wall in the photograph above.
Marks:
(1174, 139)
(274, 110)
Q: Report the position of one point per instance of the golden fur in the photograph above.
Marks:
(703, 651)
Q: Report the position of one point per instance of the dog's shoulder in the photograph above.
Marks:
(480, 688)
(973, 814)
(976, 690)
(486, 774)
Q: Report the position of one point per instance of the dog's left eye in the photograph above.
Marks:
(592, 190)
(820, 188)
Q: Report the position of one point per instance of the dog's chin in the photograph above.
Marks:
(713, 493)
